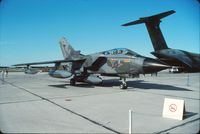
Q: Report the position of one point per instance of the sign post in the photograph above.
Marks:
(130, 121)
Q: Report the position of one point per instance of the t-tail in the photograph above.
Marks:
(68, 52)
(152, 23)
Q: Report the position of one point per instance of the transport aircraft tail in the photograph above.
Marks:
(152, 23)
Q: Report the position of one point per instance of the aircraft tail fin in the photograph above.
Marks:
(152, 23)
(67, 50)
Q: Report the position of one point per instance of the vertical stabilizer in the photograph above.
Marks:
(153, 26)
(67, 49)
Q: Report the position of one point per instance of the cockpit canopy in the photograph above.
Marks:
(118, 51)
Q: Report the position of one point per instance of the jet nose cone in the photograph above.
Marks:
(152, 65)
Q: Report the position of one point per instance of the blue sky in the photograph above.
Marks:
(30, 29)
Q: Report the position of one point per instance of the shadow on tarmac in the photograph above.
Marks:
(133, 84)
(142, 85)
(188, 115)
(81, 85)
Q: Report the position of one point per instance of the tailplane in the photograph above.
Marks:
(67, 50)
(152, 23)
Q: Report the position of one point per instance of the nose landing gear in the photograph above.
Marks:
(72, 82)
(123, 85)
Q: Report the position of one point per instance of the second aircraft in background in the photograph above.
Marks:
(185, 61)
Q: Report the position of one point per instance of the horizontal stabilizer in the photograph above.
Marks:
(150, 18)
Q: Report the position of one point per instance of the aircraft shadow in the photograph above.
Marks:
(133, 84)
(81, 85)
(188, 115)
(59, 85)
(142, 85)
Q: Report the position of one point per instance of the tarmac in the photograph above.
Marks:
(41, 104)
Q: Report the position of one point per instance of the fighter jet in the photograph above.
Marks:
(186, 61)
(120, 62)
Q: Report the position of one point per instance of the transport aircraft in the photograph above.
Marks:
(183, 60)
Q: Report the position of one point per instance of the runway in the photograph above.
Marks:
(41, 104)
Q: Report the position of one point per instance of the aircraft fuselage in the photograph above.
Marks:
(190, 62)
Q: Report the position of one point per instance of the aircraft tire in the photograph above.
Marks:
(123, 86)
(72, 82)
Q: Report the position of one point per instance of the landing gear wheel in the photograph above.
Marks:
(123, 86)
(72, 82)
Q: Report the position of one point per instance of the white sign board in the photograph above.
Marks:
(173, 108)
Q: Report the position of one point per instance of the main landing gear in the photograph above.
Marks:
(123, 85)
(72, 82)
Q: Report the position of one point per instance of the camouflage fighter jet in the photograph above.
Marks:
(186, 61)
(120, 62)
